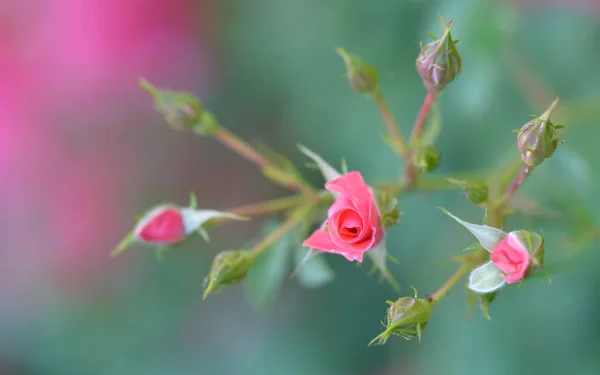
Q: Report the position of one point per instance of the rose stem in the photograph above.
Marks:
(399, 142)
(422, 117)
(245, 150)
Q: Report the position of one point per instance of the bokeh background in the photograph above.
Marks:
(82, 152)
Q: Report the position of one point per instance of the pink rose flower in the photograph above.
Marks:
(353, 222)
(511, 257)
(162, 226)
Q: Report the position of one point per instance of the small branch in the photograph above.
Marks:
(399, 142)
(517, 182)
(267, 207)
(294, 219)
(245, 150)
(242, 148)
(452, 280)
(422, 117)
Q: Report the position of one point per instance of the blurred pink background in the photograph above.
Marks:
(69, 69)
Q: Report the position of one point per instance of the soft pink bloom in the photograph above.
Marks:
(353, 222)
(512, 258)
(161, 226)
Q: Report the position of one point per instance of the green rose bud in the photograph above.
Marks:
(229, 267)
(476, 191)
(362, 76)
(181, 110)
(426, 159)
(439, 62)
(407, 317)
(537, 140)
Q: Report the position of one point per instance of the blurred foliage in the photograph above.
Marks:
(279, 63)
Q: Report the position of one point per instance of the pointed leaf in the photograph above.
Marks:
(487, 236)
(328, 171)
(486, 279)
(379, 257)
(264, 279)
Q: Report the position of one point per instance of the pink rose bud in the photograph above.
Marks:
(163, 225)
(439, 62)
(353, 222)
(511, 256)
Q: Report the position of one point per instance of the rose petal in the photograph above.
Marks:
(321, 240)
(512, 258)
(164, 225)
(353, 186)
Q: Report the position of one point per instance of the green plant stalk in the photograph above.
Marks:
(248, 152)
(399, 142)
(294, 219)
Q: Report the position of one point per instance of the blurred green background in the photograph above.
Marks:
(279, 79)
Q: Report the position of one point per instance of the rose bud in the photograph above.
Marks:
(353, 224)
(229, 267)
(514, 254)
(362, 76)
(181, 110)
(163, 225)
(439, 62)
(537, 140)
(168, 224)
(407, 317)
(476, 191)
(427, 159)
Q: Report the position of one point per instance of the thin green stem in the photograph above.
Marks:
(294, 219)
(449, 284)
(399, 142)
(245, 150)
(242, 147)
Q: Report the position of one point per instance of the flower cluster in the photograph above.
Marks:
(351, 217)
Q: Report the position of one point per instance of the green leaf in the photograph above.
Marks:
(486, 279)
(484, 303)
(329, 173)
(487, 236)
(264, 279)
(312, 271)
(379, 257)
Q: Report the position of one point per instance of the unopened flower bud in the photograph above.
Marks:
(537, 140)
(228, 267)
(439, 62)
(426, 159)
(181, 110)
(534, 244)
(406, 317)
(476, 191)
(162, 225)
(167, 225)
(362, 76)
